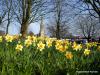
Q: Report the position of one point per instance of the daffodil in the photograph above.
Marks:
(19, 47)
(28, 42)
(74, 45)
(98, 48)
(86, 51)
(57, 46)
(77, 47)
(29, 37)
(34, 38)
(94, 43)
(89, 45)
(9, 38)
(59, 42)
(41, 45)
(49, 43)
(61, 48)
(1, 38)
(69, 55)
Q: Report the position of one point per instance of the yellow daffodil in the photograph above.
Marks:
(77, 47)
(89, 45)
(19, 47)
(9, 38)
(29, 37)
(74, 45)
(86, 52)
(61, 45)
(69, 55)
(1, 38)
(94, 43)
(40, 46)
(61, 48)
(34, 38)
(49, 43)
(57, 46)
(59, 42)
(28, 42)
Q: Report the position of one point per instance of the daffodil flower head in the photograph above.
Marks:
(49, 43)
(87, 51)
(28, 42)
(1, 38)
(69, 55)
(19, 47)
(77, 47)
(40, 45)
(9, 38)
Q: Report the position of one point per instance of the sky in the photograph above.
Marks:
(34, 27)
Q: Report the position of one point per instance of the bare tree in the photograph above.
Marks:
(82, 7)
(2, 14)
(89, 26)
(93, 5)
(9, 13)
(58, 8)
(59, 17)
(26, 12)
(6, 14)
(63, 30)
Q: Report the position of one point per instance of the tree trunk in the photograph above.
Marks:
(8, 14)
(7, 27)
(8, 21)
(26, 15)
(57, 32)
(88, 38)
(24, 29)
(58, 26)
